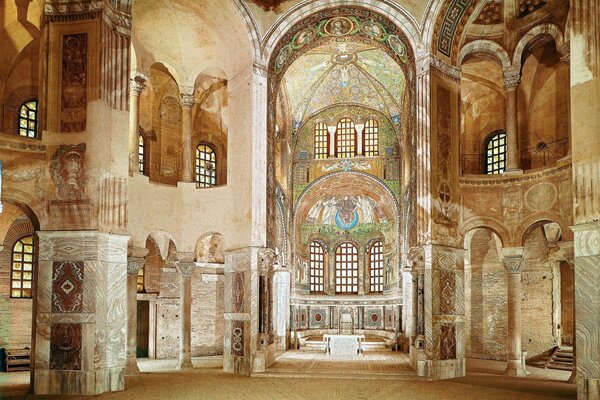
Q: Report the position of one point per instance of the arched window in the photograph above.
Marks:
(206, 166)
(317, 268)
(345, 139)
(141, 284)
(28, 119)
(495, 154)
(376, 267)
(141, 153)
(346, 268)
(21, 271)
(371, 141)
(321, 141)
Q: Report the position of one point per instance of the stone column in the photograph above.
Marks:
(512, 78)
(443, 330)
(331, 129)
(360, 128)
(136, 86)
(513, 262)
(135, 261)
(186, 270)
(281, 307)
(567, 254)
(80, 305)
(187, 103)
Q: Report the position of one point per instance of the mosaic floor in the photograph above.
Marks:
(209, 382)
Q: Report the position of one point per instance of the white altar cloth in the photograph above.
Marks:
(343, 345)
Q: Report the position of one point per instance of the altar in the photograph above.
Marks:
(343, 345)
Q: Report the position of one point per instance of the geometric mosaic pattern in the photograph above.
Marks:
(67, 287)
(450, 24)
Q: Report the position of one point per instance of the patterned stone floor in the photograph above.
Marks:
(209, 382)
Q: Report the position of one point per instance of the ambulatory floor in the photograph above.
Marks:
(372, 378)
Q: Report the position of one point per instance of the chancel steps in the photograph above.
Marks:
(561, 358)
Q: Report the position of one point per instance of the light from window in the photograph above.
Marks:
(317, 268)
(140, 281)
(371, 141)
(321, 141)
(345, 139)
(141, 150)
(346, 268)
(376, 267)
(28, 119)
(206, 166)
(21, 274)
(495, 157)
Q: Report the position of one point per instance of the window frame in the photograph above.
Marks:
(317, 264)
(491, 166)
(345, 133)
(320, 131)
(376, 275)
(22, 271)
(141, 286)
(198, 166)
(371, 138)
(28, 119)
(346, 269)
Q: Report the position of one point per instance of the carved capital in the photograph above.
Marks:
(266, 259)
(137, 84)
(512, 78)
(136, 258)
(185, 269)
(513, 259)
(187, 100)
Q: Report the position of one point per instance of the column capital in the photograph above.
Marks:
(565, 252)
(138, 83)
(266, 259)
(185, 269)
(416, 258)
(136, 258)
(512, 259)
(512, 78)
(187, 100)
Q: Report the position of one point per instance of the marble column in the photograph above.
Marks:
(185, 270)
(444, 313)
(187, 103)
(513, 262)
(512, 78)
(136, 86)
(81, 304)
(331, 129)
(135, 261)
(567, 255)
(360, 128)
(281, 307)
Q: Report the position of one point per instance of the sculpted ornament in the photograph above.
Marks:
(68, 173)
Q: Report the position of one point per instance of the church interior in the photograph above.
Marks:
(300, 199)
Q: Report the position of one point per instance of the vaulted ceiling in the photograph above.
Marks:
(344, 72)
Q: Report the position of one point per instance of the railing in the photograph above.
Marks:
(541, 155)
(544, 154)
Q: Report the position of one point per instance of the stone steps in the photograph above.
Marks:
(561, 358)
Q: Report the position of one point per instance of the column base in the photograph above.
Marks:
(437, 370)
(515, 368)
(132, 368)
(78, 383)
(184, 363)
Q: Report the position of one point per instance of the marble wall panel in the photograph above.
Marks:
(65, 347)
(67, 287)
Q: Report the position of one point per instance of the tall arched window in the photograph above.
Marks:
(345, 139)
(376, 267)
(321, 141)
(317, 268)
(206, 166)
(141, 153)
(371, 141)
(495, 154)
(21, 271)
(346, 268)
(141, 284)
(28, 119)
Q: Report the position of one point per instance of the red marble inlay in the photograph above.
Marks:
(67, 287)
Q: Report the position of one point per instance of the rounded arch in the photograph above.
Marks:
(170, 70)
(487, 47)
(393, 12)
(540, 219)
(488, 223)
(532, 35)
(30, 206)
(163, 239)
(210, 248)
